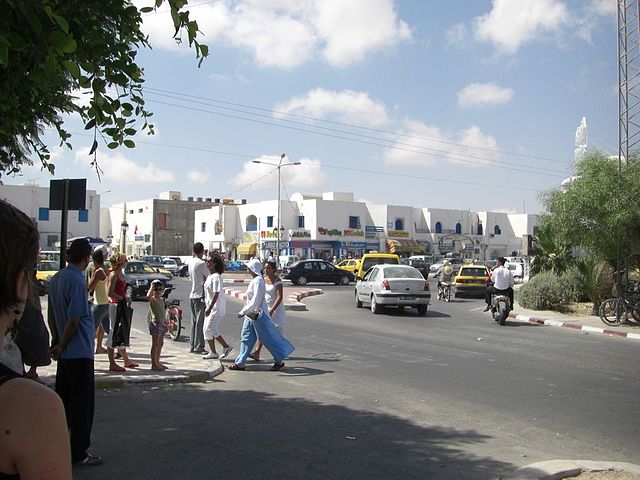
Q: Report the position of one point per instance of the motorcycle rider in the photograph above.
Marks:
(445, 274)
(502, 283)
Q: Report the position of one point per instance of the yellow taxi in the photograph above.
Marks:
(368, 260)
(471, 280)
(44, 271)
(350, 265)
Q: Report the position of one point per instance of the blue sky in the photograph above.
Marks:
(468, 104)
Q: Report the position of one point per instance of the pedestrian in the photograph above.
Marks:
(35, 439)
(215, 309)
(98, 291)
(119, 327)
(156, 320)
(198, 272)
(274, 295)
(258, 324)
(270, 257)
(72, 332)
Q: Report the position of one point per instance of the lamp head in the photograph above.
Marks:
(282, 156)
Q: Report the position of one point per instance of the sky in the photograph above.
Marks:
(464, 104)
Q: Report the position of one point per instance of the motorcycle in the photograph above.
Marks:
(500, 307)
(173, 316)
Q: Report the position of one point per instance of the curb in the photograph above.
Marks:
(293, 299)
(558, 469)
(574, 326)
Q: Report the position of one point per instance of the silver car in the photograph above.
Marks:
(393, 285)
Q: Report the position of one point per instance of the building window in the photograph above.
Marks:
(43, 214)
(480, 229)
(131, 211)
(140, 210)
(203, 226)
(354, 222)
(83, 216)
(458, 228)
(399, 223)
(438, 227)
(251, 224)
(301, 221)
(161, 221)
(147, 237)
(270, 221)
(496, 230)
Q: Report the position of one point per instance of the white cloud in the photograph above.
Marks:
(285, 34)
(481, 94)
(115, 166)
(511, 24)
(427, 145)
(456, 35)
(603, 7)
(196, 176)
(259, 176)
(347, 106)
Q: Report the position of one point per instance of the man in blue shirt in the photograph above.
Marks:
(72, 333)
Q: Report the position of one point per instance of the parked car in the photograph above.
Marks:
(157, 262)
(139, 275)
(183, 268)
(305, 271)
(393, 285)
(420, 265)
(368, 260)
(171, 265)
(350, 265)
(234, 266)
(471, 280)
(44, 271)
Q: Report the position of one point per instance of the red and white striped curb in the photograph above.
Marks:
(574, 326)
(293, 299)
(236, 280)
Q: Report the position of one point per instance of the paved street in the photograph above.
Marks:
(450, 395)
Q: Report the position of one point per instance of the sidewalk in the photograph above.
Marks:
(586, 324)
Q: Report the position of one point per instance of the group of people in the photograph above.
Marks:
(264, 314)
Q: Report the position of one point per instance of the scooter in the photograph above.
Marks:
(173, 315)
(500, 307)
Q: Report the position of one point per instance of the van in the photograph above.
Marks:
(286, 260)
(370, 259)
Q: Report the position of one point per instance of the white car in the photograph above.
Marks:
(393, 285)
(171, 265)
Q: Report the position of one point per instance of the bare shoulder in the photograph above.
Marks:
(29, 399)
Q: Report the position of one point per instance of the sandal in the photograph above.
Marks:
(90, 460)
(254, 356)
(117, 368)
(235, 366)
(277, 366)
(132, 365)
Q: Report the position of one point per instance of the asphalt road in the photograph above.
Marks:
(396, 395)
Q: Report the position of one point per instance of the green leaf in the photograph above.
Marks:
(69, 45)
(129, 144)
(146, 9)
(4, 52)
(90, 124)
(94, 147)
(113, 145)
(62, 23)
(72, 68)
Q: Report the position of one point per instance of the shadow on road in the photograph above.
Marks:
(192, 431)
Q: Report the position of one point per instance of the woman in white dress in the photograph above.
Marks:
(274, 296)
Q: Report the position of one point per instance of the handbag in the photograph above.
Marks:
(122, 327)
(254, 314)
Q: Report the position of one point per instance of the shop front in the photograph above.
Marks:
(405, 247)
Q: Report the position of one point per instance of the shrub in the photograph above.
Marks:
(546, 291)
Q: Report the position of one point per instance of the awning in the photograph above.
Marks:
(395, 245)
(247, 249)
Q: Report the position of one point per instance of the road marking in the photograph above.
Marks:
(476, 309)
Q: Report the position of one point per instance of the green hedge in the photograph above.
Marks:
(547, 291)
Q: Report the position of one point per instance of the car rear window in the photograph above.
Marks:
(474, 272)
(370, 262)
(402, 272)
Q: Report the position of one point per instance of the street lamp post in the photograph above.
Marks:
(178, 237)
(123, 236)
(279, 166)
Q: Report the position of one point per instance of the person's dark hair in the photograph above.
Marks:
(79, 249)
(502, 260)
(218, 263)
(98, 256)
(198, 248)
(272, 264)
(19, 244)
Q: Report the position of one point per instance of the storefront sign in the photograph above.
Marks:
(332, 233)
(353, 233)
(373, 228)
(398, 234)
(371, 235)
(268, 234)
(300, 244)
(300, 234)
(218, 227)
(355, 244)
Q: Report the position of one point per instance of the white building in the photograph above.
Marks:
(33, 200)
(333, 224)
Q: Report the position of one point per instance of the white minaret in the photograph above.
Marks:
(580, 150)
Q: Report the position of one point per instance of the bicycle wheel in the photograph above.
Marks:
(633, 301)
(175, 325)
(613, 312)
(447, 293)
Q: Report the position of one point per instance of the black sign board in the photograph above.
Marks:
(77, 194)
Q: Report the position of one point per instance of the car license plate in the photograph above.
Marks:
(408, 299)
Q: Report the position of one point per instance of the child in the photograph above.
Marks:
(215, 304)
(156, 320)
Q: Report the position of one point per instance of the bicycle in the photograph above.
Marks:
(444, 291)
(615, 311)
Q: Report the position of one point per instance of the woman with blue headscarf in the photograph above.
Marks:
(258, 325)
